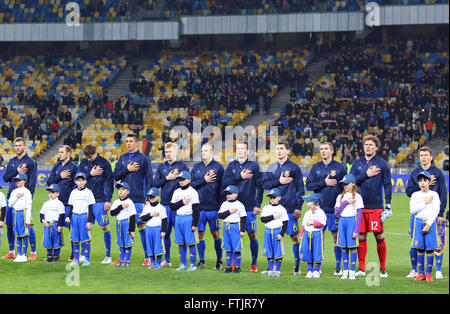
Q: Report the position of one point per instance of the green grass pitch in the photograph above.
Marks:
(39, 277)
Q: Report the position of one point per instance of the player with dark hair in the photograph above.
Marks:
(135, 169)
(373, 175)
(247, 177)
(287, 177)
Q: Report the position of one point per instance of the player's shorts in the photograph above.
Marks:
(232, 241)
(19, 225)
(139, 207)
(210, 217)
(411, 224)
(371, 221)
(183, 231)
(251, 222)
(292, 227)
(154, 243)
(52, 238)
(345, 232)
(124, 238)
(332, 222)
(100, 214)
(311, 249)
(171, 218)
(78, 232)
(442, 239)
(426, 241)
(8, 214)
(273, 248)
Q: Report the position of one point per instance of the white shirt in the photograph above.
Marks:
(318, 215)
(155, 220)
(125, 213)
(2, 200)
(351, 209)
(236, 217)
(269, 210)
(427, 212)
(52, 209)
(80, 200)
(23, 203)
(181, 194)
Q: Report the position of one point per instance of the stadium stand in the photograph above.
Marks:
(221, 88)
(399, 92)
(52, 11)
(41, 97)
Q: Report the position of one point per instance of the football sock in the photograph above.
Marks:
(128, 254)
(76, 251)
(11, 238)
(439, 259)
(278, 264)
(32, 238)
(421, 262)
(381, 250)
(218, 248)
(353, 258)
(49, 253)
(413, 258)
(310, 266)
(158, 260)
(182, 251)
(296, 251)
(167, 245)
(270, 263)
(86, 249)
(193, 254)
(56, 252)
(362, 252)
(430, 259)
(19, 245)
(122, 253)
(254, 247)
(317, 266)
(24, 245)
(107, 240)
(345, 258)
(338, 255)
(237, 258)
(201, 250)
(228, 256)
(144, 242)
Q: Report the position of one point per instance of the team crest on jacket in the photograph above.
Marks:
(333, 173)
(286, 173)
(211, 172)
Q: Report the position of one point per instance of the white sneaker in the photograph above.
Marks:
(276, 273)
(316, 274)
(309, 274)
(439, 275)
(18, 258)
(21, 259)
(82, 258)
(107, 260)
(297, 271)
(360, 273)
(344, 274)
(270, 273)
(412, 274)
(383, 273)
(338, 272)
(351, 275)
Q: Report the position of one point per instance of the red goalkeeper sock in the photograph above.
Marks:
(362, 252)
(381, 250)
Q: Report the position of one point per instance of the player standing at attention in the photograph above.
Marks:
(125, 213)
(234, 222)
(135, 169)
(81, 202)
(207, 180)
(275, 218)
(52, 216)
(166, 178)
(439, 185)
(287, 176)
(100, 182)
(424, 206)
(373, 175)
(21, 163)
(323, 178)
(20, 201)
(247, 177)
(186, 204)
(2, 213)
(63, 174)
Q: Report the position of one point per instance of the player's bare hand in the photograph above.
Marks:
(96, 171)
(276, 216)
(125, 205)
(107, 206)
(246, 174)
(330, 182)
(279, 237)
(1, 224)
(186, 201)
(194, 228)
(233, 210)
(133, 166)
(88, 226)
(285, 180)
(242, 234)
(256, 210)
(59, 229)
(428, 199)
(351, 200)
(373, 171)
(68, 220)
(210, 177)
(297, 214)
(46, 225)
(354, 235)
(425, 229)
(433, 180)
(133, 234)
(22, 168)
(65, 174)
(172, 175)
(163, 234)
(19, 195)
(154, 214)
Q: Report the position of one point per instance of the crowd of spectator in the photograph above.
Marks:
(414, 101)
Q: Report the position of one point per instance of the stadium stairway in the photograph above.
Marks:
(314, 69)
(120, 84)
